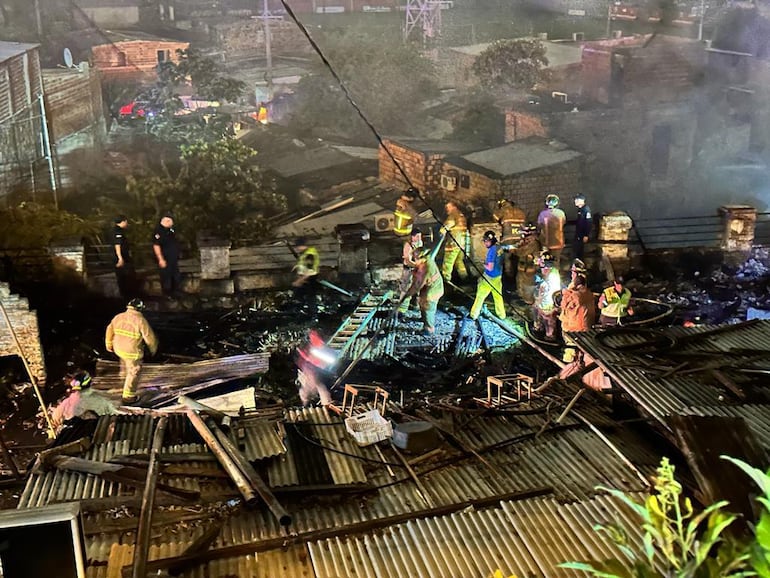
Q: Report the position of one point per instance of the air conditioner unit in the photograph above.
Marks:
(448, 182)
(384, 222)
(560, 96)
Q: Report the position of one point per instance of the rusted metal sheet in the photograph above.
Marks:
(168, 376)
(664, 393)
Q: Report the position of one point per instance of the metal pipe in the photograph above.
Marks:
(243, 485)
(142, 549)
(49, 152)
(32, 378)
(251, 474)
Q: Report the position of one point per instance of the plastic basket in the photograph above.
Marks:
(369, 427)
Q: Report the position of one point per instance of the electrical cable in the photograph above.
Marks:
(376, 134)
(341, 452)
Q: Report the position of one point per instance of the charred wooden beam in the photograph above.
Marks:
(142, 548)
(239, 479)
(251, 474)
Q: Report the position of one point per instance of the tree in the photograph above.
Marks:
(507, 64)
(217, 188)
(209, 83)
(386, 79)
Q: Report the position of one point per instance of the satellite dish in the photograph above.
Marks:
(68, 58)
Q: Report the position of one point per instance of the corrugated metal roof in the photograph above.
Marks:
(259, 439)
(516, 157)
(650, 382)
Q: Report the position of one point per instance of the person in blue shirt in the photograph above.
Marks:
(583, 226)
(492, 279)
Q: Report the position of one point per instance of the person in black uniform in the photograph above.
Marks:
(124, 266)
(583, 225)
(166, 249)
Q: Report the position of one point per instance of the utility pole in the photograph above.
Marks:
(38, 21)
(702, 16)
(424, 15)
(268, 49)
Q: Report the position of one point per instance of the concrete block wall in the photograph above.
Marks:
(25, 327)
(528, 190)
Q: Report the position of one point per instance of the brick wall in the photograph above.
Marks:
(520, 125)
(641, 69)
(423, 168)
(133, 58)
(412, 161)
(24, 323)
(663, 71)
(528, 190)
(246, 38)
(19, 83)
(73, 100)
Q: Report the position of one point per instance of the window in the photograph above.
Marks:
(465, 181)
(161, 56)
(122, 60)
(661, 148)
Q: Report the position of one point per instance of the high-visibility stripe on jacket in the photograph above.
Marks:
(127, 334)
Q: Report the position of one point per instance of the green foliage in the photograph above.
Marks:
(218, 188)
(676, 540)
(35, 225)
(506, 64)
(387, 80)
(209, 84)
(760, 547)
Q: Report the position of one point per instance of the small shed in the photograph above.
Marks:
(524, 171)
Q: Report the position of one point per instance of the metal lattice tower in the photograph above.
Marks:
(425, 16)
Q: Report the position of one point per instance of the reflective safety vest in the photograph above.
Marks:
(617, 305)
(127, 334)
(309, 262)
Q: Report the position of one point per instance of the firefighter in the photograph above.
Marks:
(82, 402)
(511, 218)
(578, 306)
(578, 267)
(456, 246)
(126, 336)
(409, 256)
(551, 222)
(491, 280)
(548, 283)
(527, 250)
(615, 304)
(583, 226)
(314, 362)
(428, 285)
(307, 267)
(405, 213)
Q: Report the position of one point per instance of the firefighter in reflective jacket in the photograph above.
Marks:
(511, 219)
(405, 213)
(428, 284)
(456, 246)
(307, 267)
(615, 304)
(527, 250)
(127, 334)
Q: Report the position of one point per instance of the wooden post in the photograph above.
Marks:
(251, 474)
(142, 548)
(238, 478)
